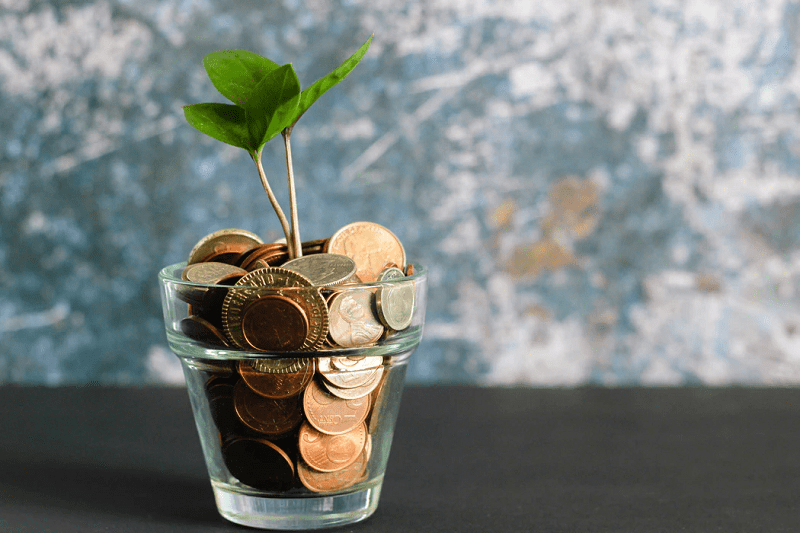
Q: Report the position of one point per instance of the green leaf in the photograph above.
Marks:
(224, 122)
(236, 72)
(312, 93)
(272, 105)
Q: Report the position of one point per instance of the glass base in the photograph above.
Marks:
(296, 513)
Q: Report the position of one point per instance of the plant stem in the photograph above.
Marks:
(296, 243)
(274, 201)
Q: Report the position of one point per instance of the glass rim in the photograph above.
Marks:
(171, 274)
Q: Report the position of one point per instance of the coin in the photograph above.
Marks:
(329, 453)
(211, 272)
(274, 324)
(378, 399)
(317, 481)
(395, 302)
(223, 245)
(258, 463)
(276, 254)
(346, 379)
(266, 415)
(276, 282)
(219, 392)
(276, 384)
(351, 320)
(360, 362)
(332, 415)
(265, 251)
(324, 269)
(370, 245)
(201, 330)
(282, 364)
(352, 393)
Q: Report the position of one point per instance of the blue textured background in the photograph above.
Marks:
(605, 192)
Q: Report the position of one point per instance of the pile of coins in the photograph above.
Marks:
(304, 304)
(297, 423)
(300, 423)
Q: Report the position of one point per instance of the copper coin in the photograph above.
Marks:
(258, 463)
(248, 259)
(226, 243)
(277, 253)
(266, 415)
(329, 453)
(353, 393)
(409, 270)
(275, 281)
(316, 481)
(219, 392)
(370, 245)
(201, 330)
(276, 385)
(330, 414)
(351, 321)
(379, 398)
(274, 324)
(395, 302)
(324, 269)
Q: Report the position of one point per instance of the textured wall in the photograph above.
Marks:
(604, 191)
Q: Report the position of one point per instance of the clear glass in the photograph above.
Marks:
(263, 465)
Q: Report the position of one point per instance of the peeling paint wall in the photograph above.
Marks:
(604, 193)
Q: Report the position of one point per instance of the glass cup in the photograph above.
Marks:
(295, 439)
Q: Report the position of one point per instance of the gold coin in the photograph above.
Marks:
(276, 282)
(329, 453)
(280, 365)
(225, 243)
(276, 384)
(330, 414)
(370, 245)
(351, 320)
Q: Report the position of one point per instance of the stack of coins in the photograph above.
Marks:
(297, 423)
(252, 297)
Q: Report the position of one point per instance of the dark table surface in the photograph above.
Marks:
(463, 459)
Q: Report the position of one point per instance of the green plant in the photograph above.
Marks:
(267, 100)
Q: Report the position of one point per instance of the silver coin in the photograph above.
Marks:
(210, 273)
(345, 379)
(355, 392)
(395, 302)
(353, 363)
(351, 321)
(323, 269)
